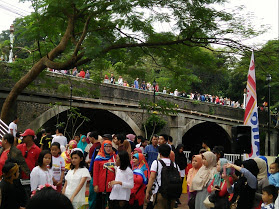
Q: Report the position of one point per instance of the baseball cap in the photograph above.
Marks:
(28, 132)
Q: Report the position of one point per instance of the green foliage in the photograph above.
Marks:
(162, 106)
(74, 120)
(266, 62)
(211, 111)
(196, 102)
(153, 125)
(119, 26)
(119, 35)
(63, 88)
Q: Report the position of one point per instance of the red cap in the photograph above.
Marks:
(28, 132)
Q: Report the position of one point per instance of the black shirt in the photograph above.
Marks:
(46, 142)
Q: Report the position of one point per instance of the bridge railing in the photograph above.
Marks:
(230, 157)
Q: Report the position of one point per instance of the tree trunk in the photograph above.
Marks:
(19, 87)
(35, 71)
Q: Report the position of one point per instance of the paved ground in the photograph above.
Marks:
(184, 200)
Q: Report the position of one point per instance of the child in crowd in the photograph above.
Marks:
(76, 178)
(269, 196)
(42, 174)
(58, 165)
(123, 183)
(12, 194)
(274, 174)
(67, 154)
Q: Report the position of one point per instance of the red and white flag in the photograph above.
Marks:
(251, 112)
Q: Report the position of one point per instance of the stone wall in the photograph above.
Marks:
(29, 111)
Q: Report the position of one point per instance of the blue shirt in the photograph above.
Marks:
(136, 84)
(152, 154)
(274, 179)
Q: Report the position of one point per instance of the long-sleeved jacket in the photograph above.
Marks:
(102, 175)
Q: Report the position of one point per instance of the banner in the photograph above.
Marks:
(251, 112)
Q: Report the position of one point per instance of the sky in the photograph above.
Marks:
(264, 13)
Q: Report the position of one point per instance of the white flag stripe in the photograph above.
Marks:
(4, 128)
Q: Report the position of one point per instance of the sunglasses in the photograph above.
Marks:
(26, 153)
(108, 146)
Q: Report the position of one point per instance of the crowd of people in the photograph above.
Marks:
(127, 172)
(74, 72)
(148, 86)
(194, 96)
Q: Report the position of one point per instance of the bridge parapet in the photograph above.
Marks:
(59, 85)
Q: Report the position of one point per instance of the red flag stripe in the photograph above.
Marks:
(249, 107)
(252, 82)
(253, 66)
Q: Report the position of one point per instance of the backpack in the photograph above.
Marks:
(95, 153)
(171, 183)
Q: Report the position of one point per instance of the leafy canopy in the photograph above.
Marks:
(123, 30)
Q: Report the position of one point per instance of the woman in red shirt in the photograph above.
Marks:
(219, 185)
(103, 173)
(140, 170)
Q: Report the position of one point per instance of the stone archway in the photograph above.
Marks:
(189, 125)
(198, 131)
(124, 116)
(47, 115)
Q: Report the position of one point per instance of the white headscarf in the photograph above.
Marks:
(262, 168)
(205, 173)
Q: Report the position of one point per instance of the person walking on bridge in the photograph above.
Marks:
(136, 83)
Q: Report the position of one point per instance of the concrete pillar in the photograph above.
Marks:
(176, 129)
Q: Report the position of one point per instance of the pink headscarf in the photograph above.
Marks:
(193, 171)
(131, 137)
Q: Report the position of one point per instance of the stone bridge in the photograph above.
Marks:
(114, 109)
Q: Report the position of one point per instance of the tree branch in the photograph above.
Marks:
(84, 32)
(199, 42)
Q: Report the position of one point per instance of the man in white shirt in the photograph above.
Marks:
(155, 176)
(13, 126)
(62, 140)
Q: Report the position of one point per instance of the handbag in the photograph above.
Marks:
(211, 199)
(207, 203)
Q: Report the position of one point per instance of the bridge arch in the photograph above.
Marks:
(197, 131)
(48, 117)
(124, 116)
